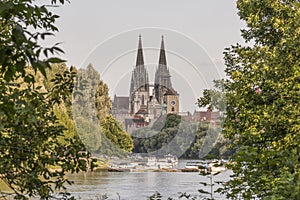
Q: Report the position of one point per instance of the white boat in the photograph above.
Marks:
(197, 164)
(147, 163)
(210, 166)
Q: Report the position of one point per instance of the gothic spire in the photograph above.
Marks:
(139, 85)
(140, 57)
(162, 75)
(162, 55)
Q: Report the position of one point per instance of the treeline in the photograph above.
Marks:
(189, 140)
(85, 113)
(99, 131)
(86, 116)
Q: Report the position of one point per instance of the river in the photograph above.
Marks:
(139, 185)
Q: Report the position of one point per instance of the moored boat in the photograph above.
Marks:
(210, 166)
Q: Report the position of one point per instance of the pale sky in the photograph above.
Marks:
(105, 34)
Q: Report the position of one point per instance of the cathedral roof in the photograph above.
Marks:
(171, 91)
(142, 112)
(121, 102)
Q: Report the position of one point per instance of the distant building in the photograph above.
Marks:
(171, 99)
(120, 107)
(206, 115)
(147, 101)
(199, 116)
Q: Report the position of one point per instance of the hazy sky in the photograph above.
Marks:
(105, 33)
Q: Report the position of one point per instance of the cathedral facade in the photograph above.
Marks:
(148, 101)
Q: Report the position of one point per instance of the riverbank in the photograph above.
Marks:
(211, 169)
(146, 170)
(162, 165)
(154, 170)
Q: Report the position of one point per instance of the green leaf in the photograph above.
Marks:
(55, 60)
(43, 35)
(203, 191)
(203, 183)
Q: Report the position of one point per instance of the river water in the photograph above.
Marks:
(139, 185)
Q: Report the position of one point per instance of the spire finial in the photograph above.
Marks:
(140, 42)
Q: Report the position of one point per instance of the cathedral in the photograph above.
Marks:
(147, 101)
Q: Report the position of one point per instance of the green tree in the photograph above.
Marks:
(99, 131)
(263, 102)
(30, 133)
(115, 133)
(215, 98)
(102, 101)
(84, 108)
(64, 110)
(162, 131)
(89, 133)
(84, 94)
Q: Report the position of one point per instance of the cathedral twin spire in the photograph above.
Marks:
(139, 79)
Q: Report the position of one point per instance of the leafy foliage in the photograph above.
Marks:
(116, 141)
(208, 143)
(89, 134)
(171, 134)
(19, 45)
(211, 184)
(263, 102)
(84, 109)
(215, 99)
(102, 101)
(158, 136)
(116, 134)
(99, 131)
(32, 140)
(84, 92)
